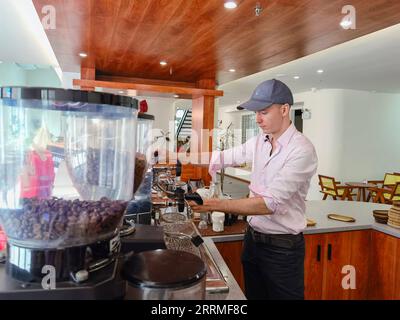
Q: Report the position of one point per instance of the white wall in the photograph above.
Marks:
(43, 78)
(12, 75)
(229, 115)
(356, 134)
(163, 111)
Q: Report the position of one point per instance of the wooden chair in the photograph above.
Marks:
(387, 195)
(388, 182)
(330, 187)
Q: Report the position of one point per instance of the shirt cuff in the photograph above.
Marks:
(274, 206)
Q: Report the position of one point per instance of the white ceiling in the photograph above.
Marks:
(370, 63)
(22, 37)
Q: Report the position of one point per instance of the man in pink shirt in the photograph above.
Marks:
(283, 162)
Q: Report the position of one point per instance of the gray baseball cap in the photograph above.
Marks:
(266, 94)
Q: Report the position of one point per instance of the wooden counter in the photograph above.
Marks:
(239, 227)
(372, 249)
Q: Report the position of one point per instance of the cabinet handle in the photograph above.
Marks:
(319, 253)
(329, 251)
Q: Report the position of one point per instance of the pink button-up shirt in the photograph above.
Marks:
(282, 179)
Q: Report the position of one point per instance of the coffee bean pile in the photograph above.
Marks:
(140, 170)
(67, 222)
(102, 164)
(97, 167)
(97, 172)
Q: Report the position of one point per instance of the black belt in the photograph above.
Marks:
(287, 241)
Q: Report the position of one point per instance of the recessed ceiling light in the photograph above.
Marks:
(163, 63)
(230, 4)
(320, 71)
(176, 96)
(83, 55)
(120, 92)
(296, 77)
(345, 23)
(232, 70)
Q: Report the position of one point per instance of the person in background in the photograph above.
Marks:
(185, 145)
(283, 162)
(38, 174)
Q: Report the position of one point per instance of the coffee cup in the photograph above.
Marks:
(218, 221)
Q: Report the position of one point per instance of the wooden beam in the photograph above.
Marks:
(193, 92)
(88, 74)
(202, 126)
(145, 81)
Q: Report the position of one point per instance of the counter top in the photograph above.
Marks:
(238, 173)
(318, 211)
(361, 211)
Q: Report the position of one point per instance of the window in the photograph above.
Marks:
(249, 127)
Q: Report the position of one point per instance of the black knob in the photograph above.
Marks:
(194, 197)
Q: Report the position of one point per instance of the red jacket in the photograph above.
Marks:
(3, 240)
(38, 178)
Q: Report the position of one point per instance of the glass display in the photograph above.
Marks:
(143, 148)
(67, 161)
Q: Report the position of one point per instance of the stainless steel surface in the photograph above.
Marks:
(194, 292)
(165, 275)
(100, 264)
(235, 292)
(129, 230)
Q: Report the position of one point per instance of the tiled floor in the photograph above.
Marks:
(235, 188)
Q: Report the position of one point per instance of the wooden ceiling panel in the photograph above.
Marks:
(201, 39)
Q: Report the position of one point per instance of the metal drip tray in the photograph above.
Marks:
(178, 236)
(182, 236)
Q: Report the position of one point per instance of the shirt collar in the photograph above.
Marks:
(284, 139)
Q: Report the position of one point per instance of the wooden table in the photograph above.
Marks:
(361, 186)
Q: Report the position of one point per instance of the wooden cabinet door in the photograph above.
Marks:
(231, 252)
(337, 255)
(383, 266)
(397, 272)
(313, 266)
(360, 259)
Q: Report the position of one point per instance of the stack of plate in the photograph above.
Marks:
(381, 216)
(394, 215)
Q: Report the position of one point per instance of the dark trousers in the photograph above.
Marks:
(273, 266)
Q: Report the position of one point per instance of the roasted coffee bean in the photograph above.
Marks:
(140, 170)
(73, 222)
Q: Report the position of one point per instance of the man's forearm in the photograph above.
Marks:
(248, 206)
